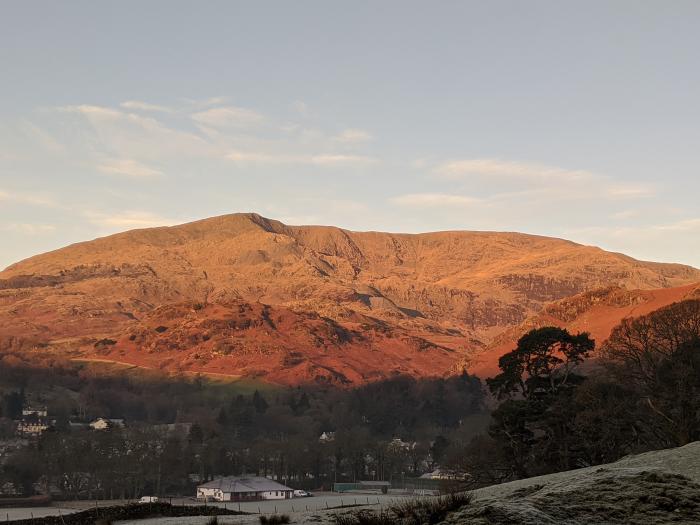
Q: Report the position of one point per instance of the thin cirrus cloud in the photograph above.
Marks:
(542, 179)
(353, 136)
(319, 160)
(27, 198)
(129, 219)
(137, 105)
(426, 200)
(28, 228)
(143, 141)
(128, 168)
(510, 169)
(662, 241)
(227, 117)
(139, 137)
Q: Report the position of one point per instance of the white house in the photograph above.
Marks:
(32, 428)
(326, 437)
(102, 423)
(32, 411)
(243, 489)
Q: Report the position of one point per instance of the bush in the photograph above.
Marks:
(129, 513)
(365, 517)
(419, 511)
(275, 519)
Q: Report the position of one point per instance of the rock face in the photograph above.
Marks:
(400, 296)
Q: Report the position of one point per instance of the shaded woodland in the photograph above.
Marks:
(553, 408)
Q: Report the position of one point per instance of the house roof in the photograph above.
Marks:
(244, 484)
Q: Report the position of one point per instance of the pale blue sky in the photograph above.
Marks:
(574, 119)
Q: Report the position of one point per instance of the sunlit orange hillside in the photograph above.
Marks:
(244, 295)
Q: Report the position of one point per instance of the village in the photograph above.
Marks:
(36, 428)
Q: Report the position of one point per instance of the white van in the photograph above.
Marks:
(148, 499)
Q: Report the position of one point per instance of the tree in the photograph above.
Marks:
(438, 449)
(259, 403)
(657, 356)
(542, 363)
(538, 379)
(12, 404)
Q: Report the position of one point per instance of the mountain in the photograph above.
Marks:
(596, 312)
(300, 303)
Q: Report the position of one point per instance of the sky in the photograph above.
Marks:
(577, 119)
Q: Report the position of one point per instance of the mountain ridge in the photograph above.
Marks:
(456, 290)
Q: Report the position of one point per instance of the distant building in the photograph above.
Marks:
(35, 411)
(103, 423)
(33, 428)
(327, 437)
(437, 474)
(398, 444)
(243, 489)
(34, 421)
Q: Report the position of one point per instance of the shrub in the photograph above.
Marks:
(365, 517)
(275, 519)
(419, 511)
(430, 510)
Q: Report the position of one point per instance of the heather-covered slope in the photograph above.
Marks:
(596, 312)
(456, 290)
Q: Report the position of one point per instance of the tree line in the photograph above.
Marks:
(561, 410)
(558, 403)
(378, 431)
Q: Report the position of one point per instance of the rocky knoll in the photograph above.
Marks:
(448, 292)
(656, 487)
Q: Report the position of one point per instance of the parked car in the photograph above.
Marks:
(302, 494)
(148, 499)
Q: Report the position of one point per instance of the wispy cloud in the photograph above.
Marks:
(329, 160)
(686, 225)
(41, 137)
(510, 169)
(145, 106)
(629, 191)
(319, 160)
(663, 241)
(27, 198)
(535, 181)
(134, 136)
(227, 117)
(28, 228)
(129, 220)
(129, 168)
(353, 136)
(429, 200)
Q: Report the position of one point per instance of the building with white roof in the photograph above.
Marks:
(243, 489)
